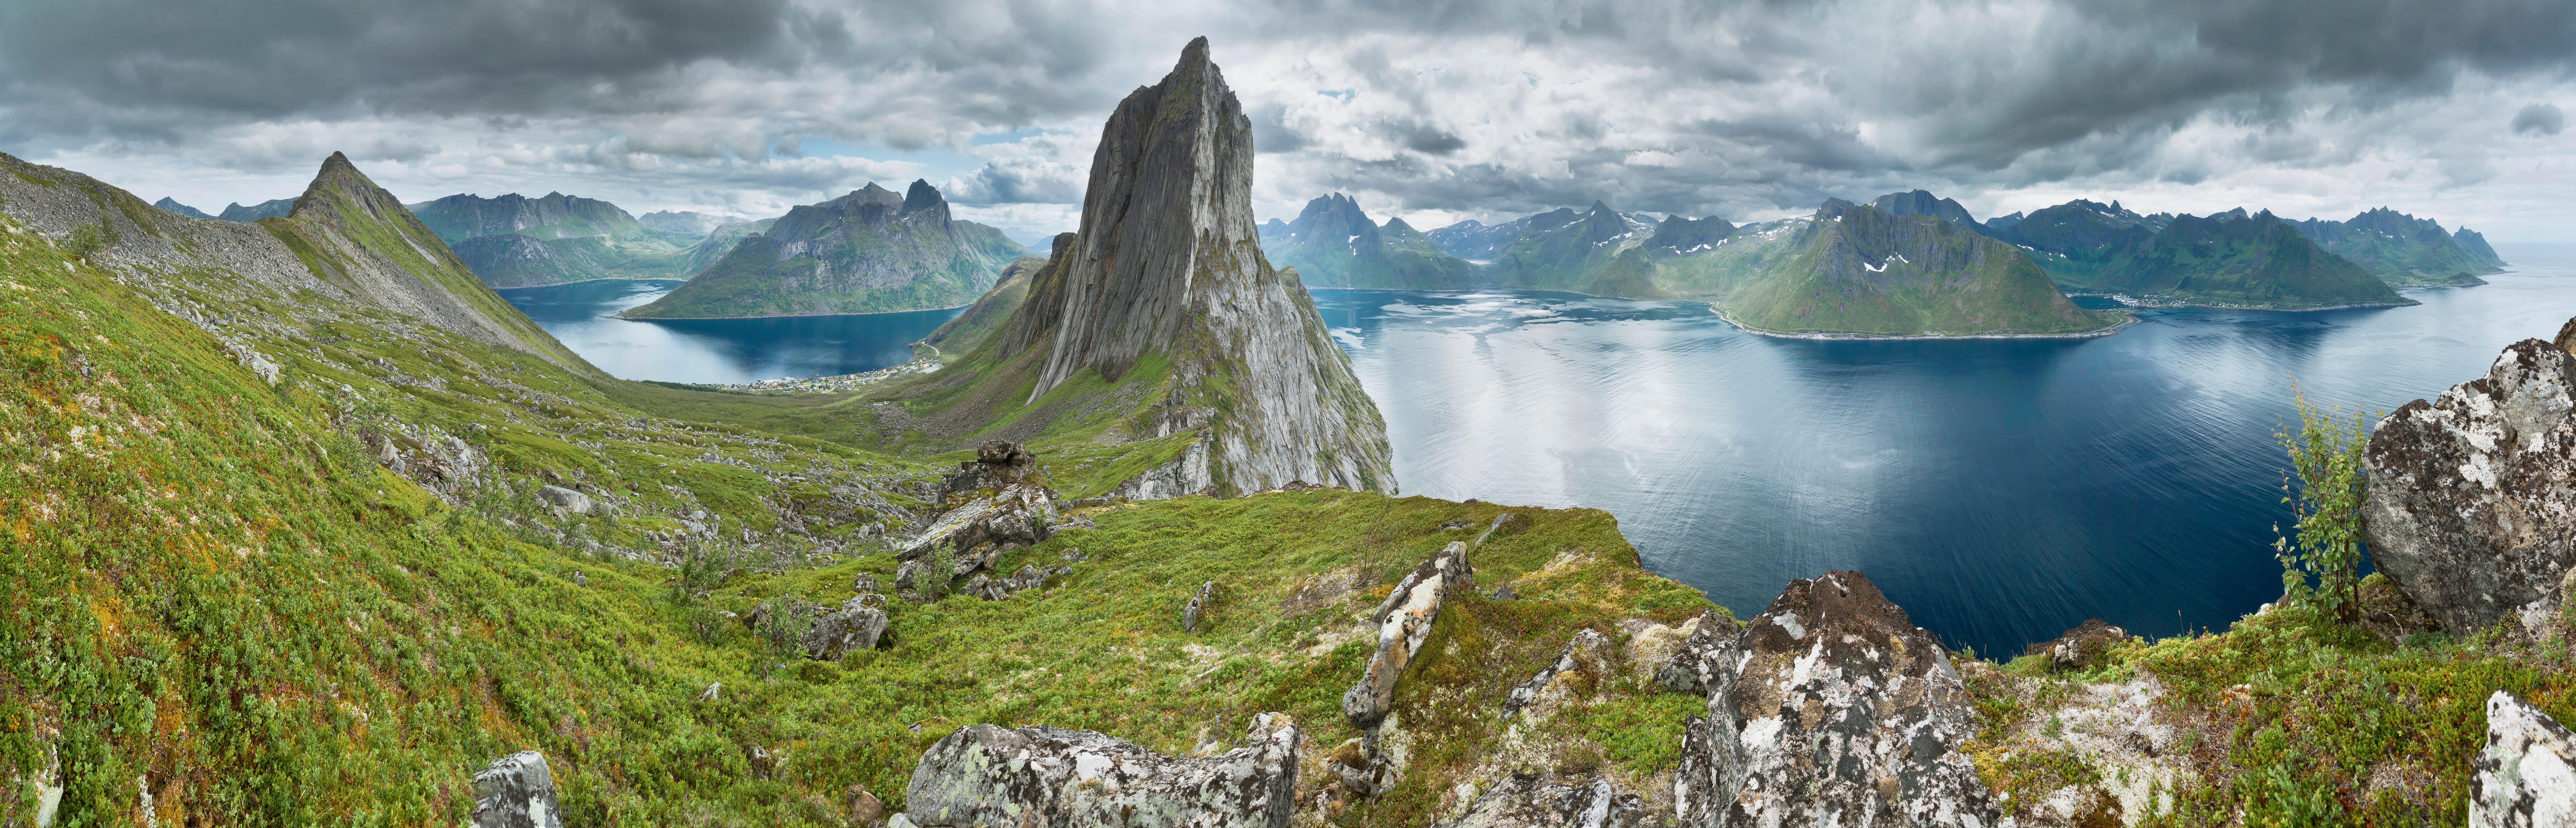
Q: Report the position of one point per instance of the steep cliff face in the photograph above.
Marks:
(871, 251)
(1168, 270)
(346, 240)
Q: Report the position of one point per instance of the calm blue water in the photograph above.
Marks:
(583, 316)
(2001, 491)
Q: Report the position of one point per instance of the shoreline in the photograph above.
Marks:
(623, 316)
(2357, 305)
(2126, 320)
(586, 281)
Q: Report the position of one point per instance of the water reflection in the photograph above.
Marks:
(583, 316)
(2001, 490)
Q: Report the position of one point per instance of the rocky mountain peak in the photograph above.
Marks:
(1168, 262)
(1923, 202)
(921, 196)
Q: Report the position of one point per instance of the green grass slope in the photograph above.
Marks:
(1860, 271)
(958, 336)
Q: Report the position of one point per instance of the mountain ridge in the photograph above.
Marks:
(1334, 244)
(870, 251)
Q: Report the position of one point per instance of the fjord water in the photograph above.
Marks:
(2000, 490)
(583, 315)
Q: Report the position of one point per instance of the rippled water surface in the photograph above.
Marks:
(583, 316)
(2001, 490)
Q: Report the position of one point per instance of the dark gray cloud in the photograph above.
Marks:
(1741, 108)
(2539, 119)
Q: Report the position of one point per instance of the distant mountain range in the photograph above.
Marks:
(173, 205)
(870, 251)
(2233, 259)
(2406, 250)
(1333, 244)
(516, 241)
(255, 212)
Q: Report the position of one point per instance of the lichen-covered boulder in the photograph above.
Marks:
(855, 628)
(516, 791)
(986, 775)
(2472, 498)
(1020, 513)
(1404, 620)
(1526, 800)
(1707, 658)
(2526, 778)
(1844, 712)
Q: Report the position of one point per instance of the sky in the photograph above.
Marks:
(1434, 111)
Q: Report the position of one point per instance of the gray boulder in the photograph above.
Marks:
(854, 628)
(1523, 800)
(1582, 654)
(908, 575)
(1403, 621)
(1020, 513)
(1707, 659)
(2472, 500)
(1045, 776)
(516, 791)
(2526, 778)
(565, 499)
(1844, 713)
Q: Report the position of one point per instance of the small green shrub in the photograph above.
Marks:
(2325, 455)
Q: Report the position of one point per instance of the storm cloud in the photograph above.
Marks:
(1433, 111)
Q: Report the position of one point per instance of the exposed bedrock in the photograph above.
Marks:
(1403, 621)
(1523, 800)
(1843, 712)
(2472, 499)
(986, 775)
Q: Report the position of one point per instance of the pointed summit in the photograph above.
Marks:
(922, 196)
(1168, 267)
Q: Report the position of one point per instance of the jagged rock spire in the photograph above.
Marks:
(1168, 262)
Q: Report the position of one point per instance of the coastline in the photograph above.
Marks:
(585, 282)
(2127, 319)
(623, 316)
(2407, 303)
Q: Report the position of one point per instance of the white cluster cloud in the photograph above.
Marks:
(1435, 112)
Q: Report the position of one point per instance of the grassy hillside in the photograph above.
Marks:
(958, 336)
(244, 610)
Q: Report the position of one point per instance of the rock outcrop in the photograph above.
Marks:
(1403, 620)
(1526, 800)
(2526, 777)
(856, 627)
(1168, 264)
(2472, 497)
(516, 791)
(2080, 647)
(1020, 513)
(1708, 658)
(1844, 713)
(985, 775)
(997, 463)
(1583, 654)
